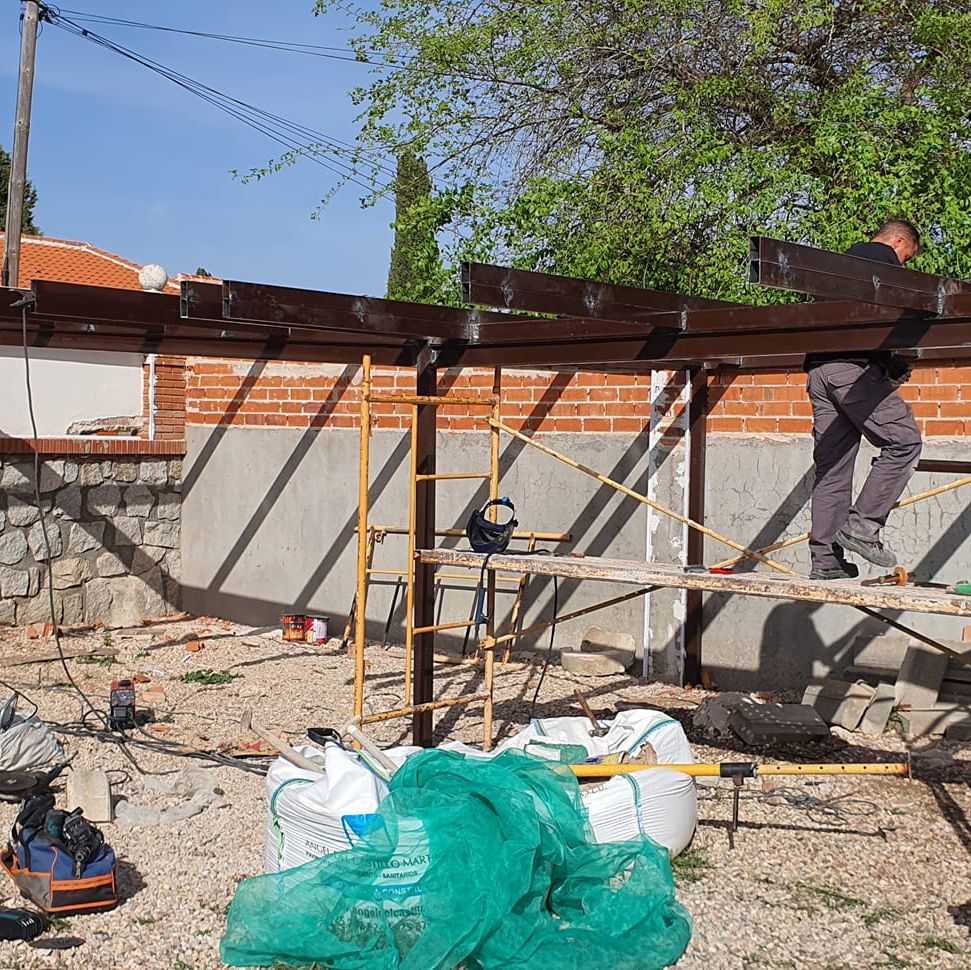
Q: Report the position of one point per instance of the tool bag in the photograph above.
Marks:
(59, 861)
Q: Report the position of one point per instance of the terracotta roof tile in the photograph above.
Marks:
(43, 258)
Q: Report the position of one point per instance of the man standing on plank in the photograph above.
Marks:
(854, 394)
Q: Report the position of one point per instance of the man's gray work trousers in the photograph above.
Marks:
(849, 401)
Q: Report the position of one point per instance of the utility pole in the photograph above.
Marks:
(21, 133)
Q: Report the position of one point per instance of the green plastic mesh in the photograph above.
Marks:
(481, 864)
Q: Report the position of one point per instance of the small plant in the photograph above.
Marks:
(142, 655)
(690, 866)
(937, 943)
(832, 898)
(59, 924)
(897, 963)
(887, 915)
(145, 920)
(100, 661)
(107, 639)
(209, 676)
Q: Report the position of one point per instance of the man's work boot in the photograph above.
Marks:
(872, 550)
(842, 570)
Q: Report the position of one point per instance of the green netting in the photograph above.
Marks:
(482, 864)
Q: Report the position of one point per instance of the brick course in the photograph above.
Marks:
(246, 394)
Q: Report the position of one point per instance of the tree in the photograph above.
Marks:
(30, 198)
(643, 142)
(415, 272)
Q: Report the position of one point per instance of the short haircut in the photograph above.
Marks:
(895, 227)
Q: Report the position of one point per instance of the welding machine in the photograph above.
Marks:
(121, 701)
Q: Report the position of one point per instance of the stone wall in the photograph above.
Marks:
(113, 528)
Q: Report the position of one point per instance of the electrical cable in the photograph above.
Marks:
(283, 131)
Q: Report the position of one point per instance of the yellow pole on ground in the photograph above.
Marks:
(744, 769)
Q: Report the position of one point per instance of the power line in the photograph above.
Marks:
(289, 134)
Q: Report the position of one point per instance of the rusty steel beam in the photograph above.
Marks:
(804, 269)
(664, 349)
(296, 307)
(498, 286)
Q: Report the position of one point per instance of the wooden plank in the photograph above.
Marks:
(914, 599)
(19, 660)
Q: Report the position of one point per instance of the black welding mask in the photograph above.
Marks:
(488, 536)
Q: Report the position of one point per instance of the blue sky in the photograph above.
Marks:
(130, 162)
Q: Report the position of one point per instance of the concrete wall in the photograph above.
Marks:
(269, 518)
(113, 532)
(67, 386)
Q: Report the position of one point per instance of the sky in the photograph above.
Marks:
(131, 163)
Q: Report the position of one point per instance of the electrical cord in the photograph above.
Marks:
(838, 809)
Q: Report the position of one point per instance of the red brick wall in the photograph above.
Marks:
(247, 394)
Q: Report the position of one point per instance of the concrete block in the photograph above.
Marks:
(884, 651)
(966, 635)
(89, 790)
(839, 702)
(878, 713)
(934, 721)
(920, 677)
(777, 723)
(959, 731)
(591, 664)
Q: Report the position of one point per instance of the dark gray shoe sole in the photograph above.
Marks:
(868, 550)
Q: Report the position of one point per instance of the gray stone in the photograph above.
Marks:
(109, 564)
(168, 506)
(128, 530)
(51, 475)
(959, 731)
(71, 472)
(72, 607)
(712, 715)
(153, 472)
(138, 500)
(67, 502)
(22, 512)
(38, 610)
(14, 582)
(108, 469)
(173, 563)
(8, 613)
(149, 554)
(38, 545)
(3, 520)
(620, 646)
(13, 548)
(126, 471)
(68, 573)
(175, 469)
(777, 723)
(97, 600)
(17, 479)
(878, 713)
(91, 473)
(85, 537)
(162, 534)
(591, 664)
(839, 702)
(103, 499)
(920, 677)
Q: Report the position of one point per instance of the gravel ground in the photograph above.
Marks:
(883, 883)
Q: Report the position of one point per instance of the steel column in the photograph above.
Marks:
(697, 448)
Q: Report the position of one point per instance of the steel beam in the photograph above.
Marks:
(498, 286)
(790, 266)
(697, 451)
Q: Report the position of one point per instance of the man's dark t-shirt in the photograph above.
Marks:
(877, 252)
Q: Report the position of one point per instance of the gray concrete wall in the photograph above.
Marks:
(269, 518)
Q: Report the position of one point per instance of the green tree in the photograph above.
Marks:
(30, 197)
(415, 272)
(643, 142)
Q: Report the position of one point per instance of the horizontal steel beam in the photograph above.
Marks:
(514, 289)
(804, 269)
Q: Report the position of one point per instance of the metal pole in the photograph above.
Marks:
(697, 419)
(21, 134)
(360, 618)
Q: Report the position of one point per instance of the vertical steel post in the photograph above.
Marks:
(360, 618)
(424, 608)
(697, 441)
(21, 135)
(490, 578)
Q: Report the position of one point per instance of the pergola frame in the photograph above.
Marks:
(586, 325)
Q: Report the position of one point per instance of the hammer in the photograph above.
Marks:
(295, 757)
(898, 577)
(596, 730)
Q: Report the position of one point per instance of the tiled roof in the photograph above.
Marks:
(43, 258)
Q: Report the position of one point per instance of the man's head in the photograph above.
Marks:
(901, 236)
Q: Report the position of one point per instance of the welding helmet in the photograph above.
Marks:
(488, 536)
